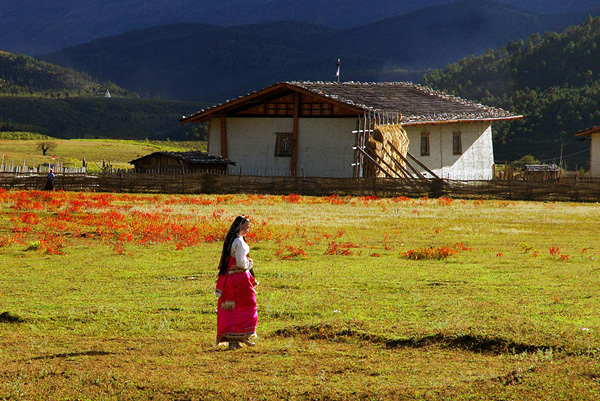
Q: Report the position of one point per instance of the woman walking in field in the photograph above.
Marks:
(237, 315)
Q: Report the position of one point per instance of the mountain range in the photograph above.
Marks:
(211, 63)
(36, 27)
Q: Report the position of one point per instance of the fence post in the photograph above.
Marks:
(182, 181)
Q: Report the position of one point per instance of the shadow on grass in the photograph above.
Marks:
(7, 317)
(477, 344)
(72, 355)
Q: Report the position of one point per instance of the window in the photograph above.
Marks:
(283, 144)
(425, 144)
(456, 144)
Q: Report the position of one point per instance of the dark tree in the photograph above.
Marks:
(45, 146)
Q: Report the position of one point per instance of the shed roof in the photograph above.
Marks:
(540, 167)
(191, 157)
(415, 103)
(588, 132)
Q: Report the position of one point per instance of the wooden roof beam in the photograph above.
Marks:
(255, 98)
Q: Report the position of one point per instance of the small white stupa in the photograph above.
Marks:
(107, 94)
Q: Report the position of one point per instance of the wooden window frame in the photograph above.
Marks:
(283, 144)
(457, 143)
(425, 147)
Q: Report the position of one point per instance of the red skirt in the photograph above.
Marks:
(237, 314)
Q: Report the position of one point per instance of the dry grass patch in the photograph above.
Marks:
(71, 152)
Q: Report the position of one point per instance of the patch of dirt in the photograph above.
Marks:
(7, 317)
(594, 376)
(514, 377)
(477, 344)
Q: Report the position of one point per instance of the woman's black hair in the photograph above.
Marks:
(232, 234)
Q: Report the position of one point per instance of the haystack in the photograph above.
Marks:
(381, 146)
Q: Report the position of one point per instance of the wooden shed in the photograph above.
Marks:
(541, 172)
(176, 162)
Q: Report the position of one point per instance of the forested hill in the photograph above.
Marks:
(42, 97)
(25, 76)
(553, 80)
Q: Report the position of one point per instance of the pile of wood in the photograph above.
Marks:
(388, 145)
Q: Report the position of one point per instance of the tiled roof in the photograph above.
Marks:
(415, 103)
(192, 157)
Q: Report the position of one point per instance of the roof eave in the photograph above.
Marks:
(461, 120)
(588, 132)
(207, 114)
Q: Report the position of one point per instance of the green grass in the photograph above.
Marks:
(70, 152)
(504, 318)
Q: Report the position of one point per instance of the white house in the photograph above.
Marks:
(312, 128)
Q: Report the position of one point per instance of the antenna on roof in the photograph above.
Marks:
(337, 74)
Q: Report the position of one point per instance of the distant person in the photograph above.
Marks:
(50, 181)
(237, 315)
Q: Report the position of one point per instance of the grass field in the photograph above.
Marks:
(71, 152)
(108, 296)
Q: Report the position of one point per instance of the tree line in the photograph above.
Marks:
(115, 118)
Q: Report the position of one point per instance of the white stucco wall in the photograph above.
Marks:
(595, 155)
(324, 145)
(477, 158)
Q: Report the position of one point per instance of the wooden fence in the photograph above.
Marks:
(566, 189)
